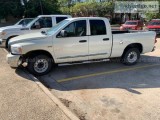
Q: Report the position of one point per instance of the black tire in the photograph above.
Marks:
(131, 56)
(40, 62)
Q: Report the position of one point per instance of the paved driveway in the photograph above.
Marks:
(110, 91)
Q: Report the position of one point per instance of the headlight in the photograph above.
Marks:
(16, 49)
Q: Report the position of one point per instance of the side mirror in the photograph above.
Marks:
(63, 33)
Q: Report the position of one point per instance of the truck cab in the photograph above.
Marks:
(42, 22)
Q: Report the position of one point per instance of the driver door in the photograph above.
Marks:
(74, 46)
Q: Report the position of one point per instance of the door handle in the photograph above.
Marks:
(105, 39)
(82, 41)
(121, 42)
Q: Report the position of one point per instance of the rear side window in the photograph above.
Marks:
(59, 19)
(97, 27)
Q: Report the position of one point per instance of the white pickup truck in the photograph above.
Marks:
(3, 30)
(78, 39)
(40, 23)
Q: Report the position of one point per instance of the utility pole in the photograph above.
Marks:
(41, 6)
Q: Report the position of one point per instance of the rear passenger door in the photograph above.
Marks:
(99, 39)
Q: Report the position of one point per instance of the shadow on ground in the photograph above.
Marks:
(148, 77)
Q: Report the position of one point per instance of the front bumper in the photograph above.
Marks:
(2, 43)
(14, 60)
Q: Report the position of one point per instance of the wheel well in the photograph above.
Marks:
(37, 52)
(9, 39)
(134, 45)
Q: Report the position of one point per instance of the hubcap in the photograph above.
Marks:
(41, 65)
(132, 57)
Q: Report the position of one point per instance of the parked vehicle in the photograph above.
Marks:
(78, 39)
(154, 25)
(38, 24)
(132, 25)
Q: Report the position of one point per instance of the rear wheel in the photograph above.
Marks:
(131, 56)
(40, 65)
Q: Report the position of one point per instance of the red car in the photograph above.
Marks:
(154, 25)
(132, 25)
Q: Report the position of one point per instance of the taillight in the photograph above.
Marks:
(155, 40)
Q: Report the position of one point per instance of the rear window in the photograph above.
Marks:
(59, 19)
(154, 23)
(130, 23)
(97, 27)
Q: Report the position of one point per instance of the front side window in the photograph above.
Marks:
(59, 19)
(76, 29)
(97, 27)
(43, 22)
(21, 22)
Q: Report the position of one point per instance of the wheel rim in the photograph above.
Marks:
(41, 65)
(132, 57)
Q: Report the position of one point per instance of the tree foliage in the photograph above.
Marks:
(93, 8)
(32, 8)
(10, 7)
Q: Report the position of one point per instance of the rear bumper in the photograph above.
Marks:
(14, 60)
(2, 43)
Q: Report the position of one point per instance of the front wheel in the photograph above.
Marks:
(131, 56)
(40, 65)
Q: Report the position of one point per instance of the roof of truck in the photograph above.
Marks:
(86, 18)
(54, 15)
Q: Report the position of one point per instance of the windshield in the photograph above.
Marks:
(130, 23)
(56, 27)
(154, 23)
(24, 21)
(32, 22)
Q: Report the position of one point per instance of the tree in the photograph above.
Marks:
(32, 8)
(93, 8)
(10, 7)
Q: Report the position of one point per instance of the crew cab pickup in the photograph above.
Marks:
(78, 39)
(19, 24)
(38, 24)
